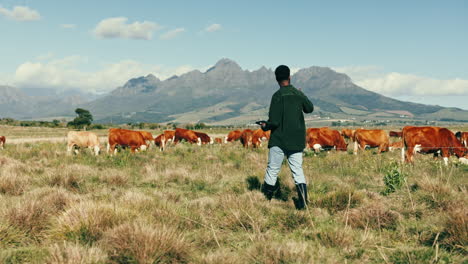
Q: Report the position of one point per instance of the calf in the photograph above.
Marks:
(2, 142)
(397, 134)
(373, 138)
(246, 138)
(188, 135)
(82, 139)
(148, 137)
(233, 136)
(325, 138)
(433, 140)
(125, 138)
(169, 135)
(205, 139)
(463, 137)
(160, 141)
(347, 133)
(395, 145)
(258, 136)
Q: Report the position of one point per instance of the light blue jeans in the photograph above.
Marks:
(275, 159)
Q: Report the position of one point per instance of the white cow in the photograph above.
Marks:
(82, 139)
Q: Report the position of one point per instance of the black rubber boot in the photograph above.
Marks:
(268, 190)
(302, 196)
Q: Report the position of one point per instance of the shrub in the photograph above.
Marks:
(71, 253)
(86, 222)
(393, 179)
(145, 244)
(455, 234)
(340, 199)
(373, 216)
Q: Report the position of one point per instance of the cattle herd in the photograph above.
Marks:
(427, 140)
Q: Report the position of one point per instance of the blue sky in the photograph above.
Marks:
(405, 49)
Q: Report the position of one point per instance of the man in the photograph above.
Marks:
(288, 134)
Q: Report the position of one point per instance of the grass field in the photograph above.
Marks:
(194, 204)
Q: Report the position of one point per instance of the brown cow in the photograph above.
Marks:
(246, 138)
(125, 138)
(205, 139)
(169, 135)
(185, 134)
(2, 142)
(432, 140)
(325, 138)
(148, 137)
(233, 136)
(160, 141)
(82, 139)
(347, 133)
(463, 137)
(218, 140)
(397, 134)
(258, 136)
(373, 138)
(395, 145)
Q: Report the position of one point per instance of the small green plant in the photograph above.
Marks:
(393, 178)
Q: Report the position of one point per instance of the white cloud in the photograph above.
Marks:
(20, 13)
(65, 74)
(400, 84)
(213, 28)
(172, 33)
(67, 26)
(117, 27)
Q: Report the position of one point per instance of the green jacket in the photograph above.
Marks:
(286, 119)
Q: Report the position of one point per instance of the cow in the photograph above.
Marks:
(325, 138)
(258, 136)
(347, 133)
(395, 145)
(148, 137)
(82, 139)
(160, 141)
(373, 138)
(125, 138)
(396, 134)
(2, 142)
(188, 135)
(463, 137)
(246, 138)
(218, 140)
(433, 140)
(169, 135)
(205, 139)
(233, 136)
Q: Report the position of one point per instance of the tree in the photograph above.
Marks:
(83, 119)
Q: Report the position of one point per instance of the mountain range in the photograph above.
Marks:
(224, 94)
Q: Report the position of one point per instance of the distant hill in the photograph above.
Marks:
(38, 103)
(227, 94)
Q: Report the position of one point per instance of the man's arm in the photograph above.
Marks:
(307, 105)
(274, 114)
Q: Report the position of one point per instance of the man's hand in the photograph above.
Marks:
(261, 123)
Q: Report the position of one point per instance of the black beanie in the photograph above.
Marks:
(282, 73)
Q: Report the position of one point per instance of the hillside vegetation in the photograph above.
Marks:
(194, 204)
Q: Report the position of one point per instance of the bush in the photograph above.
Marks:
(145, 244)
(393, 178)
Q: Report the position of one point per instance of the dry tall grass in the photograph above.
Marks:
(203, 205)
